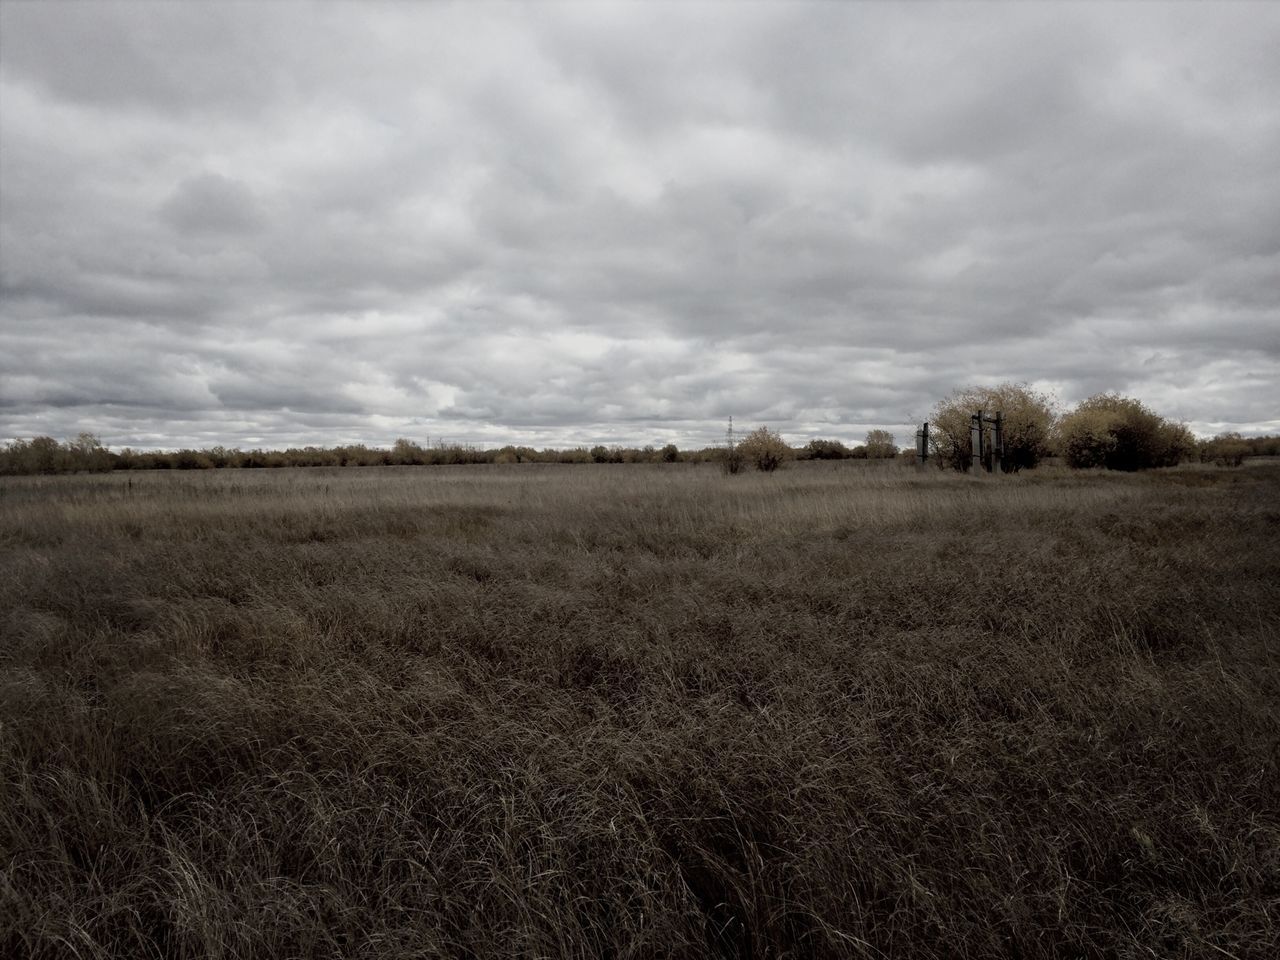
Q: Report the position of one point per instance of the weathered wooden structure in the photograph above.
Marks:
(980, 446)
(922, 445)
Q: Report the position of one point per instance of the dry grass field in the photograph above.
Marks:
(640, 711)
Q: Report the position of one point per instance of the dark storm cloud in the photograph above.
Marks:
(333, 222)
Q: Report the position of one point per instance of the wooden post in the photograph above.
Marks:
(922, 445)
(997, 444)
(975, 439)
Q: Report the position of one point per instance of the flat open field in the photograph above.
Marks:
(640, 711)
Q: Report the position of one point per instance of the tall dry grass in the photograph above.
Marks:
(640, 711)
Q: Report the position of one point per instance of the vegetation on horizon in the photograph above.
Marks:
(1106, 430)
(45, 455)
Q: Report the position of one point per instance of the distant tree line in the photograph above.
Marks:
(1107, 431)
(87, 453)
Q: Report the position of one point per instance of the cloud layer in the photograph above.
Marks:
(276, 223)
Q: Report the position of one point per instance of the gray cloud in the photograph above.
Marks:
(211, 204)
(322, 223)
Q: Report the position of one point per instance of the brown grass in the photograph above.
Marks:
(640, 711)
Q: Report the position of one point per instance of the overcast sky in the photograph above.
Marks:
(272, 224)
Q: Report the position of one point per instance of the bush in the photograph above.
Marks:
(221, 457)
(1226, 450)
(1028, 425)
(881, 445)
(670, 453)
(825, 450)
(407, 453)
(1120, 433)
(86, 452)
(763, 448)
(191, 460)
(37, 455)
